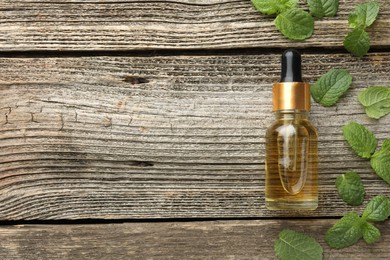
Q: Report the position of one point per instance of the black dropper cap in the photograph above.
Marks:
(291, 66)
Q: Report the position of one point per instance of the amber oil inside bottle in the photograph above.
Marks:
(291, 162)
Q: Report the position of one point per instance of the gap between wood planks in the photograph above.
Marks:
(178, 52)
(156, 220)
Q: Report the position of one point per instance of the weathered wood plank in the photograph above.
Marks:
(181, 240)
(79, 140)
(143, 25)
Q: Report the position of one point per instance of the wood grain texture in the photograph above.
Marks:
(143, 25)
(162, 136)
(181, 240)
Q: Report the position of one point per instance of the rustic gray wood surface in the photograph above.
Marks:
(144, 25)
(233, 239)
(141, 110)
(80, 140)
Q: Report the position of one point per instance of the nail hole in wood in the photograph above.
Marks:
(143, 163)
(135, 80)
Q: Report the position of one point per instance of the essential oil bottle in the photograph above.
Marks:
(291, 143)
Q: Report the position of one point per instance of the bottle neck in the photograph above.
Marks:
(291, 114)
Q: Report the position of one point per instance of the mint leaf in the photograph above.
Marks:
(345, 232)
(331, 86)
(376, 100)
(273, 6)
(350, 188)
(378, 209)
(364, 15)
(370, 233)
(380, 161)
(321, 8)
(295, 24)
(293, 245)
(357, 42)
(362, 141)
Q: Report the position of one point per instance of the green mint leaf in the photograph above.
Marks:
(345, 232)
(378, 209)
(273, 6)
(357, 42)
(364, 15)
(362, 141)
(295, 24)
(331, 86)
(350, 188)
(376, 101)
(370, 233)
(380, 161)
(293, 245)
(321, 8)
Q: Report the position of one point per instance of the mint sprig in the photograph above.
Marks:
(345, 232)
(376, 101)
(364, 15)
(293, 245)
(364, 143)
(293, 22)
(350, 228)
(357, 41)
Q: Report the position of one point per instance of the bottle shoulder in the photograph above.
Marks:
(310, 126)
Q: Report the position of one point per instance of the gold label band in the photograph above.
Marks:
(291, 96)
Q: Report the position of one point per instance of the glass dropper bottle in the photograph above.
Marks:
(291, 143)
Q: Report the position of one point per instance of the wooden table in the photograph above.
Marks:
(135, 129)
